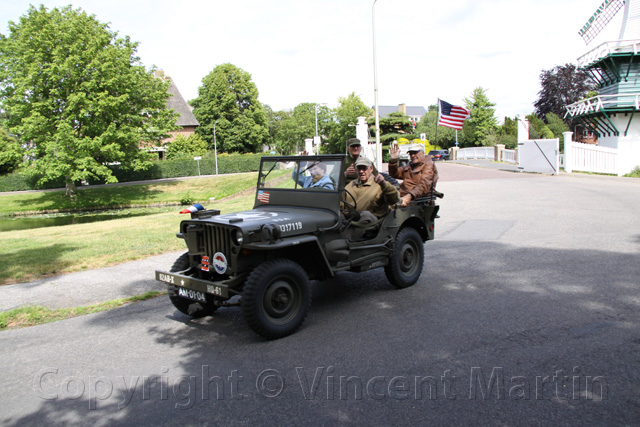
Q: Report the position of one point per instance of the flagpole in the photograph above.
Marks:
(437, 118)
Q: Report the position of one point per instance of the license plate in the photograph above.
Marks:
(192, 295)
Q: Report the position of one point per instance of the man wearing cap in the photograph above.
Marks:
(418, 177)
(372, 198)
(354, 149)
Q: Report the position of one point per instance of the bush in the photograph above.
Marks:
(634, 173)
(182, 147)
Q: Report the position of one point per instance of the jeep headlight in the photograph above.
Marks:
(238, 237)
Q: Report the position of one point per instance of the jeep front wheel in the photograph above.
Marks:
(276, 298)
(407, 259)
(186, 306)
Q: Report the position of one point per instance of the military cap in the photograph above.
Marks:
(363, 161)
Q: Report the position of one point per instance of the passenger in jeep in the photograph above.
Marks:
(354, 151)
(318, 178)
(373, 195)
(418, 177)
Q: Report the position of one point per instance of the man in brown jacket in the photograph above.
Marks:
(418, 177)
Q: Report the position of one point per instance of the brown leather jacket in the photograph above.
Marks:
(417, 181)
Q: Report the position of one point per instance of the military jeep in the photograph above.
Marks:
(294, 233)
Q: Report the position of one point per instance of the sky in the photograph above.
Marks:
(318, 51)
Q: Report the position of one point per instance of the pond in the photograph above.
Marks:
(52, 220)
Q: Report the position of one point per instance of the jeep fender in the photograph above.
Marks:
(305, 250)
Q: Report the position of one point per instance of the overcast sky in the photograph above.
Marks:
(319, 50)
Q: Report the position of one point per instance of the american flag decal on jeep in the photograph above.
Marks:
(263, 196)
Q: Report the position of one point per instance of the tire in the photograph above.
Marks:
(407, 259)
(391, 180)
(194, 309)
(276, 298)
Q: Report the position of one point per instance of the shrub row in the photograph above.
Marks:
(227, 163)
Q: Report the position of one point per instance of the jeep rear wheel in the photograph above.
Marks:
(407, 259)
(190, 308)
(276, 298)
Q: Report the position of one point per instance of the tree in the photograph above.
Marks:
(228, 101)
(538, 129)
(10, 152)
(345, 118)
(508, 134)
(557, 126)
(482, 123)
(561, 86)
(395, 125)
(79, 95)
(278, 123)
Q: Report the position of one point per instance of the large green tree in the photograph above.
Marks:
(228, 101)
(481, 127)
(79, 95)
(345, 118)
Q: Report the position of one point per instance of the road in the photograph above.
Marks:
(526, 313)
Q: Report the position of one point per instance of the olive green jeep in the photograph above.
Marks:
(297, 231)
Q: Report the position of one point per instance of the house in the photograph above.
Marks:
(414, 113)
(186, 121)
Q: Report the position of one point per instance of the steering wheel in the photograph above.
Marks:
(347, 208)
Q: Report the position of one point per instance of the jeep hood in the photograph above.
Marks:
(290, 221)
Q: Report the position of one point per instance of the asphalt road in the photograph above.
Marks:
(526, 314)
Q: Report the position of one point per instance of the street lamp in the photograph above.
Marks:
(375, 89)
(215, 146)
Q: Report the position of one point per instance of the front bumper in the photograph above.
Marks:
(216, 289)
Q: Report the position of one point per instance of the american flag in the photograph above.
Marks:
(263, 196)
(452, 116)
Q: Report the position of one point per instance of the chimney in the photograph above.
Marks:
(402, 108)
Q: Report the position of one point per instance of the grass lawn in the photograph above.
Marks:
(38, 315)
(27, 255)
(113, 196)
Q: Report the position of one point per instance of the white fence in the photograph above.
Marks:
(509, 156)
(590, 158)
(487, 153)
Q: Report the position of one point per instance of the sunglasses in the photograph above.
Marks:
(355, 146)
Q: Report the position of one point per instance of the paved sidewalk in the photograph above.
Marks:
(89, 287)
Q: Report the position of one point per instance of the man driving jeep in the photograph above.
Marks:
(372, 195)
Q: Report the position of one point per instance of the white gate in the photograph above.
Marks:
(539, 155)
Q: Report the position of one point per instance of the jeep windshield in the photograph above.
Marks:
(312, 173)
(304, 181)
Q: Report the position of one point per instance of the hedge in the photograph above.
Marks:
(227, 163)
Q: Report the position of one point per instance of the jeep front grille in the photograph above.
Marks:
(217, 239)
